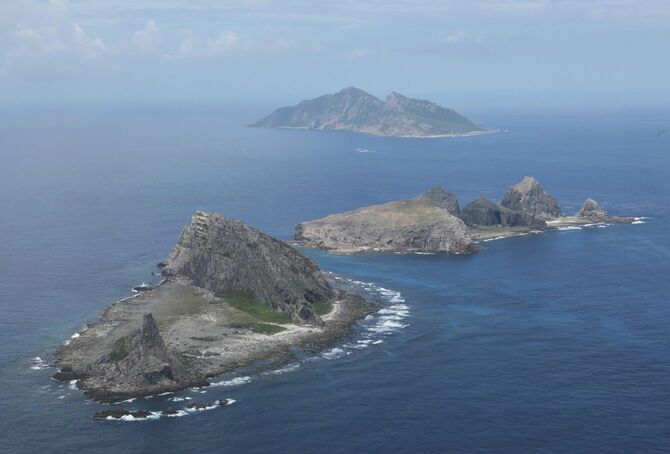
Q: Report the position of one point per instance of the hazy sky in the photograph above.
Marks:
(474, 52)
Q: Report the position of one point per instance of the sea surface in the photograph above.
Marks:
(552, 343)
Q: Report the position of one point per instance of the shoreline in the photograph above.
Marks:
(203, 330)
(394, 136)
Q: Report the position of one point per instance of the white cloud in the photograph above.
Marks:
(148, 38)
(42, 39)
(191, 47)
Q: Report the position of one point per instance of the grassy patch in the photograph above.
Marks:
(265, 328)
(246, 301)
(322, 308)
(184, 358)
(119, 350)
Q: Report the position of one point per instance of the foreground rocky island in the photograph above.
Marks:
(354, 110)
(434, 222)
(231, 296)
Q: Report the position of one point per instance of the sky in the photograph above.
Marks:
(476, 53)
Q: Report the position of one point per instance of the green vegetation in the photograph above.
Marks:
(246, 301)
(265, 328)
(119, 350)
(322, 308)
(184, 358)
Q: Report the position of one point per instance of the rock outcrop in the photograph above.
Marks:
(422, 224)
(593, 212)
(530, 198)
(486, 212)
(143, 360)
(223, 255)
(355, 110)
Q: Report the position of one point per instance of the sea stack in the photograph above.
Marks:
(529, 197)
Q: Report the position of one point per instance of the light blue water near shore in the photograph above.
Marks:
(543, 343)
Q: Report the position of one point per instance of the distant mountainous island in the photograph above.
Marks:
(355, 110)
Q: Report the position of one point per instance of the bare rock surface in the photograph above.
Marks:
(530, 198)
(422, 224)
(223, 255)
(486, 212)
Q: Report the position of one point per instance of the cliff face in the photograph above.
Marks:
(223, 255)
(422, 224)
(355, 110)
(486, 212)
(530, 198)
(591, 210)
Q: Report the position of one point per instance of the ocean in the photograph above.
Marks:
(552, 343)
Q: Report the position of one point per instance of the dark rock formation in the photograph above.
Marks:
(224, 402)
(197, 406)
(422, 224)
(223, 255)
(528, 197)
(592, 211)
(355, 110)
(486, 212)
(169, 412)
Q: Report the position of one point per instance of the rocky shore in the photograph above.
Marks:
(434, 222)
(231, 296)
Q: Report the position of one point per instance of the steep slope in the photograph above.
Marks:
(486, 212)
(530, 198)
(223, 255)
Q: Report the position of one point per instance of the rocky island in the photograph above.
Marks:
(354, 110)
(434, 222)
(231, 296)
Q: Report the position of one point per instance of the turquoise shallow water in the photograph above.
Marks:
(544, 343)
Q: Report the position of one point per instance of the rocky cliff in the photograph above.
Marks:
(486, 212)
(422, 224)
(223, 255)
(355, 110)
(530, 198)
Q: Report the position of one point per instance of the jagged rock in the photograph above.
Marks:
(422, 224)
(66, 374)
(486, 212)
(143, 360)
(169, 412)
(223, 255)
(197, 406)
(591, 210)
(355, 110)
(224, 402)
(528, 197)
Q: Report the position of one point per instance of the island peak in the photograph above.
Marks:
(353, 109)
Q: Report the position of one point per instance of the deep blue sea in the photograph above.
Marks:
(553, 343)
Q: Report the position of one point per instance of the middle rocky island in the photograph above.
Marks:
(231, 296)
(434, 222)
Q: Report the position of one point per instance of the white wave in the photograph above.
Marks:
(208, 407)
(39, 364)
(596, 224)
(387, 326)
(237, 381)
(397, 299)
(166, 393)
(424, 253)
(179, 414)
(368, 317)
(638, 222)
(74, 336)
(62, 396)
(179, 399)
(569, 227)
(333, 353)
(72, 384)
(128, 418)
(132, 399)
(283, 370)
(377, 342)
